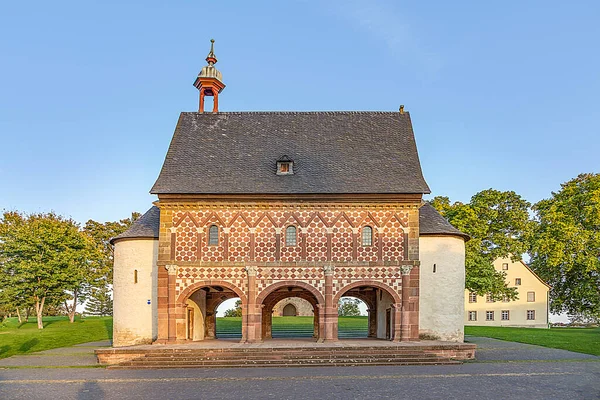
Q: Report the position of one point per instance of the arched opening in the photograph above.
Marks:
(200, 302)
(353, 320)
(276, 323)
(383, 316)
(289, 311)
(229, 319)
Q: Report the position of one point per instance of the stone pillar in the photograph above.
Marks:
(163, 305)
(254, 320)
(331, 315)
(210, 325)
(216, 100)
(372, 323)
(405, 313)
(201, 106)
(172, 317)
(321, 316)
(267, 322)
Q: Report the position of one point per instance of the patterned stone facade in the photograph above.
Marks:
(252, 259)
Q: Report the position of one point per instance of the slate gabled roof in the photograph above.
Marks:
(431, 222)
(145, 227)
(333, 152)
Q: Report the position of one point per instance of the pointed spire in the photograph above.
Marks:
(211, 58)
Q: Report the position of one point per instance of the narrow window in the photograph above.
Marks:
(530, 315)
(472, 315)
(505, 315)
(284, 168)
(290, 236)
(489, 315)
(517, 281)
(367, 236)
(530, 296)
(472, 297)
(489, 299)
(505, 266)
(213, 235)
(135, 276)
(434, 268)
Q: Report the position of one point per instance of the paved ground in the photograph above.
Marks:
(502, 370)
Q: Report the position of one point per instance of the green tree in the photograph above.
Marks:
(348, 307)
(100, 303)
(236, 311)
(565, 250)
(499, 226)
(38, 254)
(101, 233)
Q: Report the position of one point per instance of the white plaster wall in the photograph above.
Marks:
(441, 293)
(384, 303)
(134, 320)
(517, 308)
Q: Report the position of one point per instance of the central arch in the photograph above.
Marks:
(279, 291)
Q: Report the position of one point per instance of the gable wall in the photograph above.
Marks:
(517, 308)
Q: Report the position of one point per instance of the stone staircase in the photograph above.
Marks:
(281, 357)
(297, 331)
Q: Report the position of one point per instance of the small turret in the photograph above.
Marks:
(210, 80)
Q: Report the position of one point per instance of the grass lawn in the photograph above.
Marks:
(25, 338)
(580, 340)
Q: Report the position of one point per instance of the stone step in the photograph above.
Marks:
(285, 351)
(282, 363)
(289, 357)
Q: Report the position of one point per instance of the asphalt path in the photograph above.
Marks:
(504, 370)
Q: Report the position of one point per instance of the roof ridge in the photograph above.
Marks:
(297, 112)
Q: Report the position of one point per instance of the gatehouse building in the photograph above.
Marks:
(268, 206)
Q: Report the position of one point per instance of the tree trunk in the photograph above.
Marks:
(39, 308)
(27, 312)
(19, 316)
(71, 310)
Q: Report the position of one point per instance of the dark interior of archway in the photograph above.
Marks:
(289, 326)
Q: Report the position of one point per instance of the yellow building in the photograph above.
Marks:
(529, 310)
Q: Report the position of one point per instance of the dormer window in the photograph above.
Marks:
(285, 166)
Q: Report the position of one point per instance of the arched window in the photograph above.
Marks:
(367, 236)
(213, 235)
(290, 236)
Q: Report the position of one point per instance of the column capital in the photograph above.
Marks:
(329, 230)
(328, 269)
(405, 269)
(171, 269)
(397, 305)
(173, 229)
(252, 230)
(278, 230)
(225, 229)
(251, 270)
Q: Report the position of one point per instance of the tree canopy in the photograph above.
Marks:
(348, 307)
(565, 248)
(499, 226)
(46, 259)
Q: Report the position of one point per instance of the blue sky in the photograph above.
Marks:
(502, 95)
